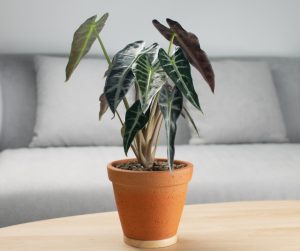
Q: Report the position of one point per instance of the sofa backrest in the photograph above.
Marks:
(286, 76)
(18, 101)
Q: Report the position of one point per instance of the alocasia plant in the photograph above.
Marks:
(162, 80)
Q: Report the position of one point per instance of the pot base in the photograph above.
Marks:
(151, 244)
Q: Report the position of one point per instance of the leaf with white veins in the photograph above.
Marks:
(178, 69)
(170, 103)
(149, 80)
(120, 76)
(135, 120)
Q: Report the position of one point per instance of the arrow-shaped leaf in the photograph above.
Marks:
(178, 69)
(191, 47)
(170, 103)
(135, 120)
(120, 76)
(83, 40)
(149, 80)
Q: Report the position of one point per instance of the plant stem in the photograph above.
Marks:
(126, 103)
(104, 50)
(120, 118)
(157, 136)
(171, 43)
(151, 117)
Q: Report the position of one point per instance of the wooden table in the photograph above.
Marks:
(254, 226)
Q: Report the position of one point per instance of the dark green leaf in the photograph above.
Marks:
(148, 79)
(170, 103)
(83, 40)
(120, 76)
(191, 47)
(178, 69)
(135, 120)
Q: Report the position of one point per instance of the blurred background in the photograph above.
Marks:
(225, 28)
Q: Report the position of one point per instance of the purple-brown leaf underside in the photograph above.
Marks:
(191, 47)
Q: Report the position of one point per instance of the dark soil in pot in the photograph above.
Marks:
(158, 166)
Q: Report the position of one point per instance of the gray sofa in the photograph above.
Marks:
(41, 183)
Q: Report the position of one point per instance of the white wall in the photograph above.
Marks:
(224, 27)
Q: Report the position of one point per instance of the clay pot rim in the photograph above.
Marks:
(111, 166)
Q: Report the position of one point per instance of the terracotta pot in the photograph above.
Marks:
(150, 203)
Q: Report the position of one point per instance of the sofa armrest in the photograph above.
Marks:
(1, 108)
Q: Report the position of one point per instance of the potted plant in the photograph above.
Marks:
(149, 192)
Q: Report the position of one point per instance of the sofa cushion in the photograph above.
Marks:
(286, 75)
(244, 108)
(53, 182)
(17, 79)
(67, 113)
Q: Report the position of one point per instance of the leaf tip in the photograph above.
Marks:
(126, 148)
(171, 22)
(104, 16)
(212, 86)
(68, 73)
(100, 116)
(67, 78)
(161, 51)
(210, 80)
(199, 108)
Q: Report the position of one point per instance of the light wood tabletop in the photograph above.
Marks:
(273, 225)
